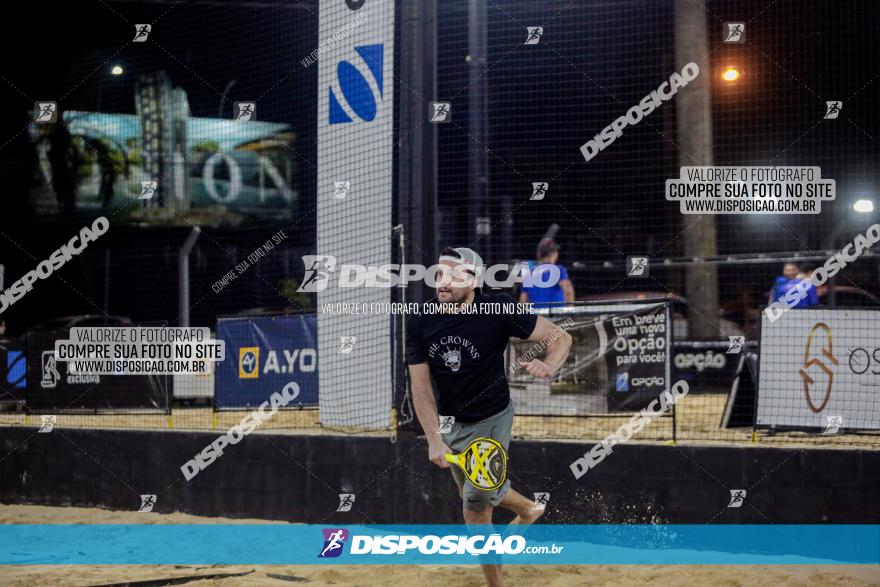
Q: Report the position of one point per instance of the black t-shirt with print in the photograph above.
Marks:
(465, 353)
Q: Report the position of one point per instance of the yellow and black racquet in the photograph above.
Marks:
(484, 463)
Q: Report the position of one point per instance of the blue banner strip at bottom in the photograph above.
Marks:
(298, 544)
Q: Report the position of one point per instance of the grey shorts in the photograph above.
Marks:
(496, 427)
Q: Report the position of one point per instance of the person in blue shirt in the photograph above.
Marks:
(791, 276)
(558, 293)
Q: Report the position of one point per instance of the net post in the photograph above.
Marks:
(674, 425)
(417, 161)
(393, 424)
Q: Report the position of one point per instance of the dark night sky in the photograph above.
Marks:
(597, 59)
(202, 45)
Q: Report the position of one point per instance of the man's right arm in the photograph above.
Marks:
(426, 410)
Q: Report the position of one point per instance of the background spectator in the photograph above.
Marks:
(791, 276)
(560, 292)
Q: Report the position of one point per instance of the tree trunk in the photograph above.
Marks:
(694, 120)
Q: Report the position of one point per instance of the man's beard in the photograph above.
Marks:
(459, 296)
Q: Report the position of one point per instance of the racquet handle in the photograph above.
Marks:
(451, 458)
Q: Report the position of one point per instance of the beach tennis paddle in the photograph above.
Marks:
(483, 462)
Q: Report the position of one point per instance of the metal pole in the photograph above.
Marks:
(401, 232)
(477, 125)
(674, 426)
(830, 244)
(106, 282)
(223, 98)
(401, 379)
(417, 167)
(694, 121)
(183, 275)
(417, 162)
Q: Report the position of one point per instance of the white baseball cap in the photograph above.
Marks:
(469, 258)
(466, 257)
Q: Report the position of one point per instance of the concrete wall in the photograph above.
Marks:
(298, 478)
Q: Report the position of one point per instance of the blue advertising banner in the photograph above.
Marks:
(13, 370)
(262, 356)
(297, 544)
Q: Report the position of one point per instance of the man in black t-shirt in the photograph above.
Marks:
(462, 347)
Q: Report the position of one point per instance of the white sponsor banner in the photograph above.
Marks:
(820, 364)
(355, 140)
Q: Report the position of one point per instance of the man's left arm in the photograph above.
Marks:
(565, 284)
(567, 290)
(813, 295)
(558, 343)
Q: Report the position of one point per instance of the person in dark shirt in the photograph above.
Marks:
(462, 348)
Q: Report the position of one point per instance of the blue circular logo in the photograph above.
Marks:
(248, 362)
